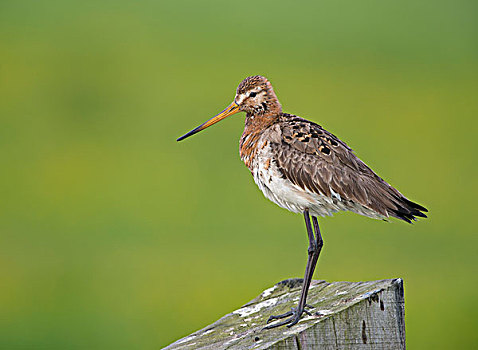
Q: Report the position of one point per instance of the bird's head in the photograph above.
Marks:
(254, 95)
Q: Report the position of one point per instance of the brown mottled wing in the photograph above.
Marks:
(316, 160)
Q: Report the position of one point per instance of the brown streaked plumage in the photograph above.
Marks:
(302, 167)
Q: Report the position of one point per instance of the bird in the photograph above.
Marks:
(302, 167)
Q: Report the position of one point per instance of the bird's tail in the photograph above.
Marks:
(407, 210)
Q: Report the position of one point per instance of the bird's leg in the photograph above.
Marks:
(315, 246)
(319, 240)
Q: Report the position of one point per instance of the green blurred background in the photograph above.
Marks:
(114, 236)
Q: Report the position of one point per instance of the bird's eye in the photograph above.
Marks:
(252, 94)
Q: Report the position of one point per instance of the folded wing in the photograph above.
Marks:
(317, 161)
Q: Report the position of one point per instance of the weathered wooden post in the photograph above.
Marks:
(346, 315)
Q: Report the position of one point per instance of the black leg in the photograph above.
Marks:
(320, 241)
(315, 246)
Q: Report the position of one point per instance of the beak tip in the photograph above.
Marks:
(232, 109)
(186, 135)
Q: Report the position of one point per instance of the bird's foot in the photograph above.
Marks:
(294, 314)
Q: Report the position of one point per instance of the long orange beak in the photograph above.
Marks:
(233, 108)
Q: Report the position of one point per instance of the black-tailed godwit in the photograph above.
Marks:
(303, 168)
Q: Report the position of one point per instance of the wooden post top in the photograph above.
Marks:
(345, 315)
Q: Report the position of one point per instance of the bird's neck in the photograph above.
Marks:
(257, 123)
(254, 127)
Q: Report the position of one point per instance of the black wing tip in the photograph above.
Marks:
(420, 214)
(414, 205)
(409, 211)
